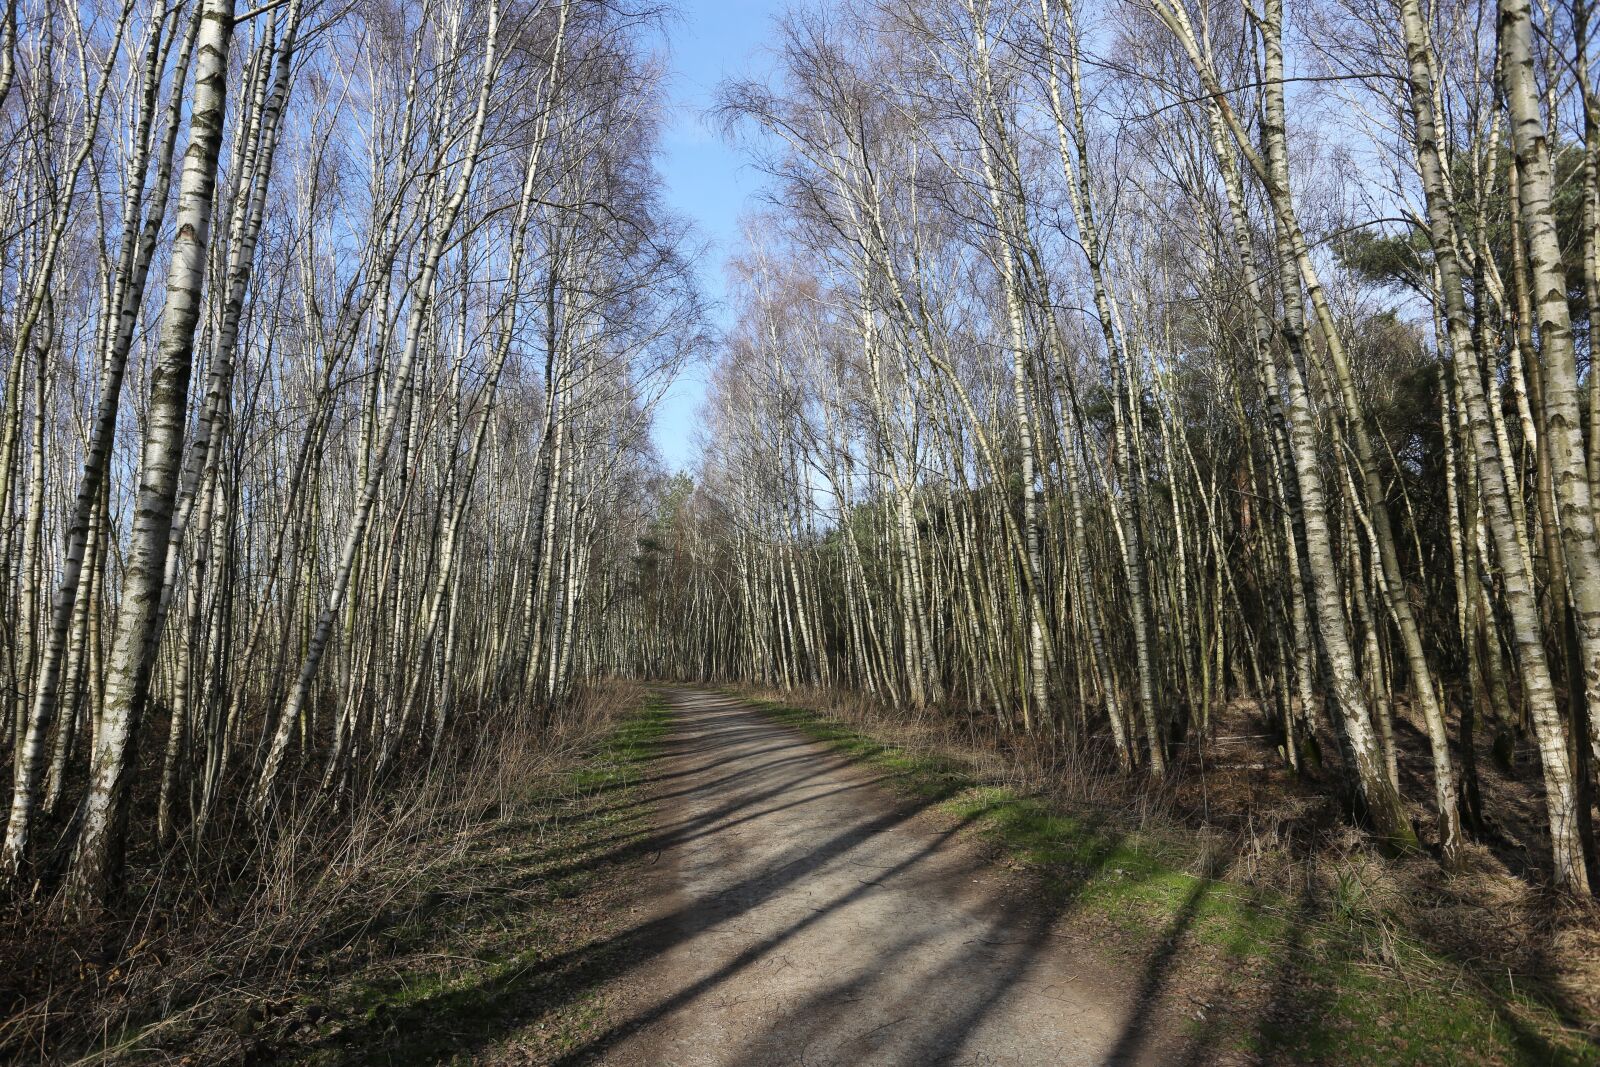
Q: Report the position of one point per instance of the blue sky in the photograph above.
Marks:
(707, 180)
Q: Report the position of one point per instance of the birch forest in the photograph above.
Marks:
(1133, 382)
(333, 336)
(1100, 378)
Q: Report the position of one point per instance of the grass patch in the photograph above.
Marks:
(1313, 981)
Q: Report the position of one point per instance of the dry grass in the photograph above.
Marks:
(198, 956)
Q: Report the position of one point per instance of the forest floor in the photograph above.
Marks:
(466, 913)
(738, 882)
(757, 884)
(1245, 955)
(720, 888)
(505, 955)
(731, 881)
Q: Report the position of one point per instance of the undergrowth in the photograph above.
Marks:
(1325, 975)
(419, 902)
(533, 895)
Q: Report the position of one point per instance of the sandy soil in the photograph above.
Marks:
(802, 914)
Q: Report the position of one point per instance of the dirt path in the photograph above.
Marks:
(803, 914)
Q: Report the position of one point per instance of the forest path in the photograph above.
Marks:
(807, 915)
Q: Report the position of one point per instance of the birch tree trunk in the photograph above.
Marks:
(97, 860)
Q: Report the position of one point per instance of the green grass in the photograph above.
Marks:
(1345, 984)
